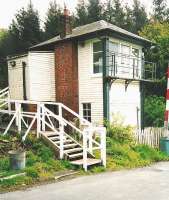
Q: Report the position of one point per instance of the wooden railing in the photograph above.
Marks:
(44, 118)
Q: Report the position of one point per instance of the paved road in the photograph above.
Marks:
(151, 183)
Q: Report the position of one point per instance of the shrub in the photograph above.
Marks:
(4, 164)
(122, 134)
(32, 172)
(154, 108)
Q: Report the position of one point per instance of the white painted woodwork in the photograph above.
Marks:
(15, 77)
(125, 105)
(40, 77)
(90, 85)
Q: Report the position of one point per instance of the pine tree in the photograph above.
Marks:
(159, 9)
(95, 10)
(25, 29)
(139, 16)
(53, 24)
(81, 14)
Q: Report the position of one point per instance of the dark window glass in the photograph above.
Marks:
(97, 57)
(87, 111)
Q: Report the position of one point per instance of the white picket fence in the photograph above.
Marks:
(150, 136)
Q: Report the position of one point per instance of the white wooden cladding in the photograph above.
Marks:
(90, 85)
(15, 77)
(40, 77)
(150, 136)
(125, 103)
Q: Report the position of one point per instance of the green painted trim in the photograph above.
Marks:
(106, 86)
(142, 97)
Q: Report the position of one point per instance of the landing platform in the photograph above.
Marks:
(90, 161)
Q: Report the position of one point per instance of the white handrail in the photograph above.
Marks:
(4, 90)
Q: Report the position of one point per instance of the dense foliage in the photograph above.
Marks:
(154, 111)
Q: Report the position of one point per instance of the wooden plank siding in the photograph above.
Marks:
(90, 85)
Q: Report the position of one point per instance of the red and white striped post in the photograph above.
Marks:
(166, 116)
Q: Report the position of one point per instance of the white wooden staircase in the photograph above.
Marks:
(75, 143)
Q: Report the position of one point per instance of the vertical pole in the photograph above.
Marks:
(43, 117)
(19, 118)
(106, 85)
(61, 130)
(16, 108)
(9, 103)
(166, 117)
(90, 136)
(103, 146)
(38, 119)
(85, 150)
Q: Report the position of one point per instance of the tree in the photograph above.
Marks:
(4, 47)
(159, 10)
(154, 108)
(81, 14)
(25, 29)
(158, 33)
(114, 13)
(94, 10)
(139, 16)
(53, 24)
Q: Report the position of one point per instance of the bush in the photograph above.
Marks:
(119, 133)
(32, 172)
(4, 164)
(154, 108)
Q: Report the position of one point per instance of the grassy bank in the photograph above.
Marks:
(42, 165)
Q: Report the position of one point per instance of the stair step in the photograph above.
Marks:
(49, 133)
(90, 162)
(65, 141)
(70, 145)
(73, 150)
(75, 155)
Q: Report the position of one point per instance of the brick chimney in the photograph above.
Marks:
(66, 23)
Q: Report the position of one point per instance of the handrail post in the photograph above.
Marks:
(43, 117)
(103, 145)
(61, 130)
(85, 150)
(19, 118)
(38, 119)
(90, 136)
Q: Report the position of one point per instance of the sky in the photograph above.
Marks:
(9, 8)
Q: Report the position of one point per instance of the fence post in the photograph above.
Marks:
(103, 145)
(85, 150)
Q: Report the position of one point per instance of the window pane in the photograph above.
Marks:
(97, 46)
(113, 47)
(135, 52)
(87, 111)
(97, 69)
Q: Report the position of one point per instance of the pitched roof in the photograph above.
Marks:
(91, 28)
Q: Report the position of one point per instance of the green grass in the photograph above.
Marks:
(41, 164)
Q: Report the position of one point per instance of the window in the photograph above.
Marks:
(87, 111)
(97, 57)
(135, 60)
(113, 55)
(125, 57)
